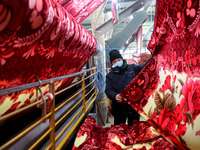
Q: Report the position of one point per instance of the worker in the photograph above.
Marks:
(120, 75)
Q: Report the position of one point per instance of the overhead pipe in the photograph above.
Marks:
(139, 39)
(115, 13)
(98, 50)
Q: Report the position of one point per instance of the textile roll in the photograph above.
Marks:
(81, 9)
(167, 91)
(38, 39)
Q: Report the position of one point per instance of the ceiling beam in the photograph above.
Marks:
(120, 38)
(122, 16)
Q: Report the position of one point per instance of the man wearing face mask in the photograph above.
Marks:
(117, 79)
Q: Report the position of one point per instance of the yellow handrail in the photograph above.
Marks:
(6, 145)
(90, 98)
(67, 112)
(63, 130)
(75, 125)
(40, 139)
(89, 84)
(51, 115)
(90, 76)
(67, 88)
(73, 85)
(83, 93)
(89, 92)
(61, 105)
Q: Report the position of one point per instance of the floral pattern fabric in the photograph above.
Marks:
(172, 106)
(81, 9)
(38, 39)
(139, 136)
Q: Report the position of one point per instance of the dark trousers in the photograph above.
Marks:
(121, 118)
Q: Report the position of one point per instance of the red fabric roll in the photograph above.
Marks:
(81, 9)
(38, 39)
(169, 95)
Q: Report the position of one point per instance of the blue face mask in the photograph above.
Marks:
(118, 64)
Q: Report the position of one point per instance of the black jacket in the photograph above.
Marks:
(116, 81)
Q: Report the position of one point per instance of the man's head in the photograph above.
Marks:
(115, 56)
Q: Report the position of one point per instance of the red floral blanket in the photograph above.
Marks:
(139, 136)
(167, 91)
(38, 39)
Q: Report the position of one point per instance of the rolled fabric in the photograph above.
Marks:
(167, 90)
(81, 9)
(38, 39)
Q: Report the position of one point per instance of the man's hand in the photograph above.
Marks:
(118, 98)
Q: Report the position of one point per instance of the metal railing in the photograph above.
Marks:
(91, 95)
